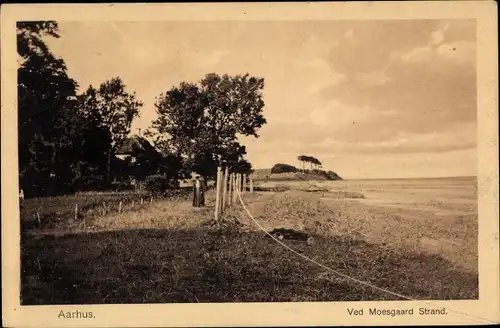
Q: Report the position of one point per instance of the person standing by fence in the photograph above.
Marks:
(198, 192)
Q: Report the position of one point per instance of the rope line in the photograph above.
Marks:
(347, 276)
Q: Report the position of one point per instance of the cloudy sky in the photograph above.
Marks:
(370, 99)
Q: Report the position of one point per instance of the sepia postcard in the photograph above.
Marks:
(250, 164)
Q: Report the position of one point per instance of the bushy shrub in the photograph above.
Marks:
(283, 168)
(122, 186)
(159, 184)
(333, 176)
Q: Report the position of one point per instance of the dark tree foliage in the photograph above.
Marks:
(333, 176)
(109, 110)
(243, 166)
(172, 166)
(313, 161)
(67, 141)
(64, 139)
(201, 122)
(160, 185)
(283, 168)
(49, 126)
(29, 37)
(115, 108)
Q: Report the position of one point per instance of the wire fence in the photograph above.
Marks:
(52, 212)
(348, 277)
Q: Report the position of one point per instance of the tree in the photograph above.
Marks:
(29, 38)
(112, 109)
(200, 122)
(49, 126)
(283, 168)
(307, 159)
(301, 159)
(96, 141)
(171, 165)
(117, 108)
(313, 161)
(242, 166)
(93, 156)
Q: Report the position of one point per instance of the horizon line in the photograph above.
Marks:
(399, 178)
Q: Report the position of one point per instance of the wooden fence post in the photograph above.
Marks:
(120, 207)
(235, 187)
(221, 191)
(224, 190)
(76, 212)
(230, 187)
(217, 193)
(236, 184)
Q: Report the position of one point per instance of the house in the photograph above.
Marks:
(138, 159)
(133, 147)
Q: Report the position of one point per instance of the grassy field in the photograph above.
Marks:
(414, 237)
(59, 212)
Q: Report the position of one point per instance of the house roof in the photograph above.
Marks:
(133, 145)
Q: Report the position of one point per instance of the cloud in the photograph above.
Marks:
(437, 36)
(459, 137)
(336, 114)
(375, 41)
(430, 86)
(416, 55)
(375, 78)
(365, 92)
(459, 52)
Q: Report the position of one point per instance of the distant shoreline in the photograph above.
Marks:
(261, 171)
(414, 178)
(275, 175)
